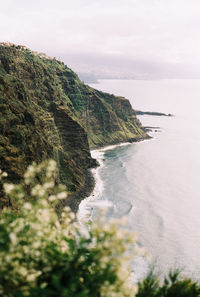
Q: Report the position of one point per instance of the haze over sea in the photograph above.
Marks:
(156, 182)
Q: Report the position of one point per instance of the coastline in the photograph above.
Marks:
(85, 207)
(89, 197)
(91, 189)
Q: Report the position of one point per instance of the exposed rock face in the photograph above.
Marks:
(47, 112)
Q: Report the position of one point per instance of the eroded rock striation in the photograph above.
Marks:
(47, 112)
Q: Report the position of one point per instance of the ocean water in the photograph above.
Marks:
(156, 183)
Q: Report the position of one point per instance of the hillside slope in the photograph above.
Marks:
(47, 112)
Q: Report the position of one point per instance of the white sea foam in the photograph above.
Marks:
(95, 201)
(86, 205)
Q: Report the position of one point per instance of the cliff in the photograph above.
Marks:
(47, 112)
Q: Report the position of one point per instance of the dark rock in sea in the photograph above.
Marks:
(153, 113)
(151, 129)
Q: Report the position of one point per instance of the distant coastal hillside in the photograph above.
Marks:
(46, 111)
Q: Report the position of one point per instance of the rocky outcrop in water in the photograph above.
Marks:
(153, 113)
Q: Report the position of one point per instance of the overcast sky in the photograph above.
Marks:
(106, 33)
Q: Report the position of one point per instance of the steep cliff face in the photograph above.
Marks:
(47, 112)
(107, 119)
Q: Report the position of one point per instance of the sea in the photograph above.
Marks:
(155, 183)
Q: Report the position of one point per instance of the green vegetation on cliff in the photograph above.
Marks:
(47, 112)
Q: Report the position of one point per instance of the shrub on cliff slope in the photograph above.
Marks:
(46, 253)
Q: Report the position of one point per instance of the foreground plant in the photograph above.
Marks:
(43, 253)
(172, 286)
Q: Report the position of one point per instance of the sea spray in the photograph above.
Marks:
(85, 207)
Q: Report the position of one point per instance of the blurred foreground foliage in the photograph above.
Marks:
(48, 252)
(172, 286)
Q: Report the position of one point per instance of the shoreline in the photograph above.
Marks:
(89, 189)
(85, 208)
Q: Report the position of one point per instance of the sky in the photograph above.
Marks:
(121, 37)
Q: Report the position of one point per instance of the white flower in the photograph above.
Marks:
(37, 254)
(29, 174)
(41, 192)
(23, 271)
(31, 277)
(4, 174)
(48, 185)
(81, 259)
(43, 285)
(66, 209)
(36, 244)
(52, 164)
(62, 195)
(35, 190)
(51, 168)
(27, 205)
(8, 188)
(72, 216)
(40, 233)
(43, 203)
(31, 169)
(52, 198)
(13, 238)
